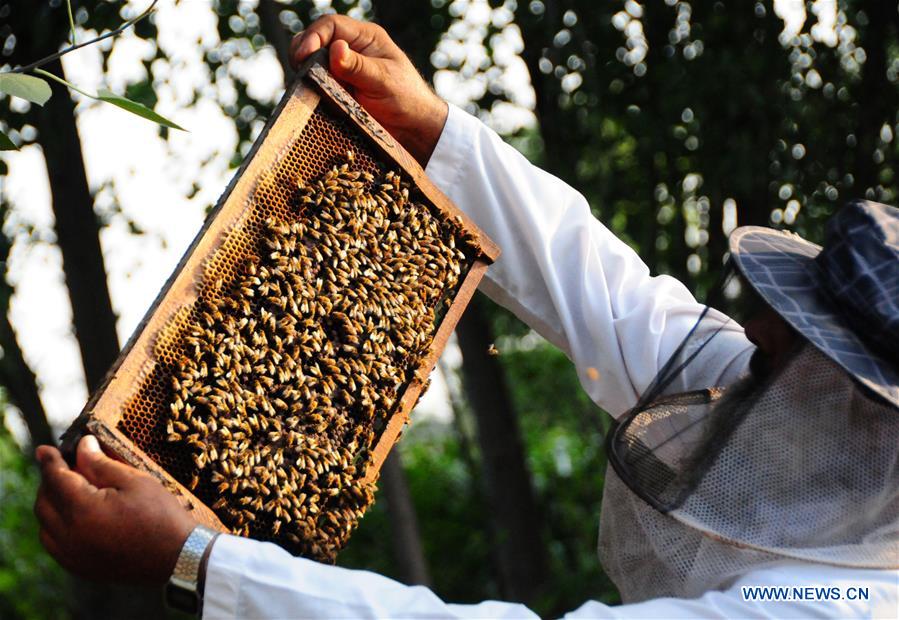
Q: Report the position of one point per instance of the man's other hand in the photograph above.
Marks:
(107, 521)
(380, 76)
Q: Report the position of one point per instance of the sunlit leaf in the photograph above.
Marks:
(121, 102)
(6, 144)
(24, 86)
(136, 108)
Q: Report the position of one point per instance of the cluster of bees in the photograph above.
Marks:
(291, 372)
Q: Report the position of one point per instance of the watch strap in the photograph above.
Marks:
(182, 590)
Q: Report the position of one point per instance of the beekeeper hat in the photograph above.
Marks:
(844, 297)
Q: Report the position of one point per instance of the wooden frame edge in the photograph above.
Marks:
(397, 421)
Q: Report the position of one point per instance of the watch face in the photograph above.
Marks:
(181, 599)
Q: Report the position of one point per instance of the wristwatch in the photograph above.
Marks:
(182, 591)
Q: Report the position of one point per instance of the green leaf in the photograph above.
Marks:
(136, 108)
(142, 92)
(6, 144)
(122, 102)
(24, 86)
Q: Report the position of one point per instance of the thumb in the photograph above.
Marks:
(361, 72)
(100, 470)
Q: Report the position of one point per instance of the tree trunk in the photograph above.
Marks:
(77, 234)
(276, 34)
(15, 375)
(477, 492)
(507, 478)
(535, 33)
(872, 106)
(405, 535)
(409, 25)
(21, 386)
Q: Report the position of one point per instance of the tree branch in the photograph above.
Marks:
(72, 48)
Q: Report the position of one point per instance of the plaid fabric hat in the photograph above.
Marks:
(844, 297)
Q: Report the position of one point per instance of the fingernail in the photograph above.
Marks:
(303, 50)
(344, 59)
(90, 444)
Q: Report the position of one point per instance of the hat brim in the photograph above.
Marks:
(779, 266)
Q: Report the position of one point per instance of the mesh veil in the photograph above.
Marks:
(800, 465)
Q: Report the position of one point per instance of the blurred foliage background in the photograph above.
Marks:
(678, 121)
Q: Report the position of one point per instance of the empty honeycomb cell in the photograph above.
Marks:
(284, 196)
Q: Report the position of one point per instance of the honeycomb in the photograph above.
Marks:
(321, 146)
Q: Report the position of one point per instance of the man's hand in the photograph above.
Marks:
(105, 520)
(381, 78)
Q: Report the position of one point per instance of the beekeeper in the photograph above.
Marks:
(744, 457)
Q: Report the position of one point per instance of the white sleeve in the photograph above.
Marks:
(251, 579)
(566, 275)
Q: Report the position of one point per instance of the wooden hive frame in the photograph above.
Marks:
(312, 96)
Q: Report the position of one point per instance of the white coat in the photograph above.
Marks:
(569, 278)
